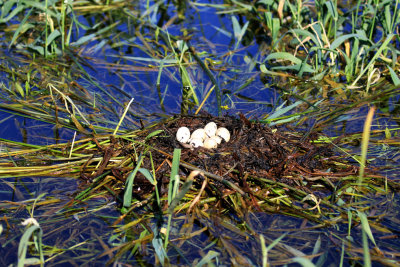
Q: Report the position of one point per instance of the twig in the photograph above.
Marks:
(215, 177)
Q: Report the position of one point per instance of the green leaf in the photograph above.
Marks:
(52, 36)
(366, 253)
(129, 184)
(332, 9)
(84, 39)
(105, 29)
(182, 46)
(388, 134)
(32, 261)
(287, 56)
(362, 35)
(318, 31)
(275, 242)
(236, 27)
(25, 242)
(37, 48)
(178, 197)
(304, 262)
(267, 71)
(150, 135)
(276, 25)
(159, 248)
(174, 179)
(21, 28)
(393, 75)
(338, 41)
(307, 34)
(207, 259)
(317, 246)
(282, 110)
(284, 120)
(222, 31)
(6, 8)
(365, 225)
(13, 13)
(266, 2)
(238, 31)
(388, 18)
(148, 175)
(19, 88)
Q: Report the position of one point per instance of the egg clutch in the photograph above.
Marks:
(209, 137)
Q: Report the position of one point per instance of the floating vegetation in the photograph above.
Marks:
(108, 177)
(261, 169)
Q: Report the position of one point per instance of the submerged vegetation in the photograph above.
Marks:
(114, 80)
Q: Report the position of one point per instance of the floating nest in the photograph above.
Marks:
(256, 161)
(258, 150)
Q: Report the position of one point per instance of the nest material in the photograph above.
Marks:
(255, 150)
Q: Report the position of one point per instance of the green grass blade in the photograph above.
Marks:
(366, 254)
(284, 56)
(25, 242)
(179, 195)
(174, 179)
(207, 259)
(13, 13)
(7, 7)
(340, 40)
(393, 75)
(159, 248)
(317, 246)
(289, 57)
(280, 110)
(275, 242)
(21, 27)
(129, 184)
(365, 225)
(264, 251)
(304, 262)
(306, 34)
(238, 31)
(342, 255)
(152, 134)
(332, 9)
(148, 175)
(53, 35)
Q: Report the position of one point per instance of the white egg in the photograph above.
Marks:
(210, 143)
(183, 134)
(196, 142)
(223, 133)
(199, 133)
(210, 129)
(217, 139)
